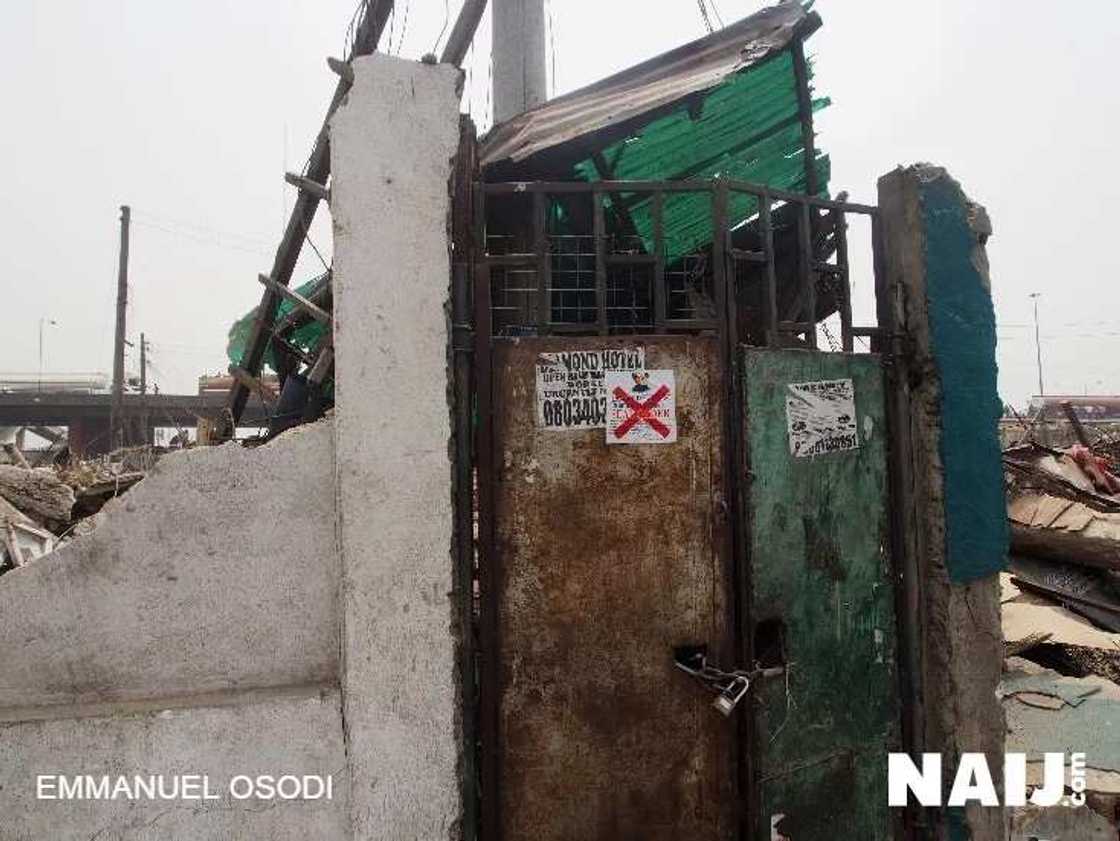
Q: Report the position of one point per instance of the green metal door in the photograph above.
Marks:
(819, 595)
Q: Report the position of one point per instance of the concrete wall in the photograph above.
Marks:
(392, 145)
(284, 609)
(195, 631)
(255, 733)
(217, 572)
(937, 268)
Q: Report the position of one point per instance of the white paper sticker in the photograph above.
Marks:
(641, 407)
(570, 392)
(821, 417)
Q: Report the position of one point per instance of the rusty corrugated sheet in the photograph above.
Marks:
(695, 67)
(609, 557)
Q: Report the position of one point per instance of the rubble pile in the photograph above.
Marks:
(1060, 608)
(42, 507)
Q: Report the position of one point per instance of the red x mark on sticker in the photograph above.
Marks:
(642, 412)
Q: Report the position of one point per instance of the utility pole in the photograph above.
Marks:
(116, 412)
(143, 364)
(520, 67)
(1038, 343)
(145, 435)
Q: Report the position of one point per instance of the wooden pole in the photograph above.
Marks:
(1071, 547)
(463, 32)
(145, 430)
(116, 411)
(299, 222)
(805, 115)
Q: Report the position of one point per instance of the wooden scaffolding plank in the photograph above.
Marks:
(303, 213)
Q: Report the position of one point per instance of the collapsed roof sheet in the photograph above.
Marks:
(746, 129)
(651, 86)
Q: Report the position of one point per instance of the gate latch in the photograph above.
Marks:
(730, 687)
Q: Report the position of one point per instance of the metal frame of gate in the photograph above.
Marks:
(473, 336)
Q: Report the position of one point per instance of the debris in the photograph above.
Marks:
(1083, 591)
(1048, 712)
(38, 492)
(24, 543)
(1096, 468)
(1029, 823)
(16, 457)
(1025, 644)
(1027, 615)
(42, 507)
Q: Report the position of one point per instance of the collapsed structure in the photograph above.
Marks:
(597, 460)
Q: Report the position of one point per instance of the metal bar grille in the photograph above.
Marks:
(587, 271)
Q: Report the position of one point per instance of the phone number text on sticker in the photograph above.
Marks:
(821, 417)
(570, 391)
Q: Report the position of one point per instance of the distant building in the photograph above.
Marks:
(55, 383)
(1088, 408)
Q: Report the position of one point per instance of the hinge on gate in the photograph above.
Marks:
(462, 337)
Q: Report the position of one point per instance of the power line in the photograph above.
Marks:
(207, 230)
(404, 27)
(715, 11)
(203, 240)
(704, 16)
(443, 30)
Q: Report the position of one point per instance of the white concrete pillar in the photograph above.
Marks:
(392, 144)
(520, 74)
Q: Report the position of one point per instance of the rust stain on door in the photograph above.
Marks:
(608, 557)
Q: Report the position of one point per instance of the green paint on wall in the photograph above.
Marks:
(818, 564)
(963, 334)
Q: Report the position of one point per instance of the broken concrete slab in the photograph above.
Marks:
(38, 492)
(218, 572)
(1087, 721)
(1026, 614)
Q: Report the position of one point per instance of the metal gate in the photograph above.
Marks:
(821, 598)
(610, 556)
(601, 565)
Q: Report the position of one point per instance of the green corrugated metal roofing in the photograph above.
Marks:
(305, 337)
(747, 129)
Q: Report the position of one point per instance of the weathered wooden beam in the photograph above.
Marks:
(1075, 422)
(342, 68)
(311, 309)
(462, 34)
(16, 455)
(319, 191)
(805, 115)
(250, 383)
(303, 213)
(1058, 545)
(12, 543)
(39, 493)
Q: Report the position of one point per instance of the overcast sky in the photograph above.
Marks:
(191, 112)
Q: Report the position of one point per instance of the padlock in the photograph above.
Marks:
(730, 696)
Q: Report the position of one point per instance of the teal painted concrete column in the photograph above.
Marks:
(949, 481)
(962, 325)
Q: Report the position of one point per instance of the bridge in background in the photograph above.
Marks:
(86, 416)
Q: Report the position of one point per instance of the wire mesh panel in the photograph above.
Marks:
(568, 258)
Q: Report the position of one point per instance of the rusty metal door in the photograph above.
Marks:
(821, 595)
(606, 558)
